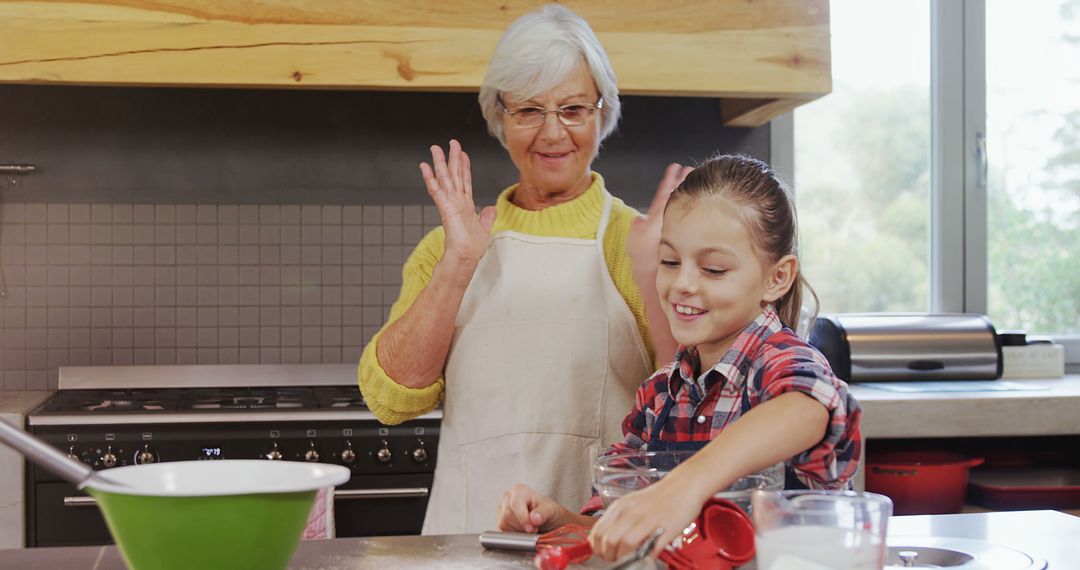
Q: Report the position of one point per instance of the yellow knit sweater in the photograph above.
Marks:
(393, 403)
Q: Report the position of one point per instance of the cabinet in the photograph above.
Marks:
(1014, 473)
(760, 59)
(13, 407)
(1032, 427)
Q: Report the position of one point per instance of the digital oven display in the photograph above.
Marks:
(211, 452)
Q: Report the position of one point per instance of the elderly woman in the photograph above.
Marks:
(535, 319)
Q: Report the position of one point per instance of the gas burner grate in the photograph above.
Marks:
(248, 398)
(123, 406)
(340, 397)
(112, 401)
(107, 401)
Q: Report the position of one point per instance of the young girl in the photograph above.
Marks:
(730, 287)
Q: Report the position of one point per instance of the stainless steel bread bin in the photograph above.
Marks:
(866, 347)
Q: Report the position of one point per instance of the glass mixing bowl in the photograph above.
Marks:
(620, 474)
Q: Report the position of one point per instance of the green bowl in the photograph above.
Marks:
(235, 514)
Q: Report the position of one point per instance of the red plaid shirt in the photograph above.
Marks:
(766, 360)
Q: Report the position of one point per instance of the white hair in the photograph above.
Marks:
(539, 51)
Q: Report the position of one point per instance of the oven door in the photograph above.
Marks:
(380, 505)
(60, 515)
(372, 505)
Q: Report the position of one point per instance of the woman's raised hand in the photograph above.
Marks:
(644, 241)
(449, 182)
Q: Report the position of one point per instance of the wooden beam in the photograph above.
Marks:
(769, 49)
(754, 112)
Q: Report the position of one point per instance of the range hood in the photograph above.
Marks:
(760, 59)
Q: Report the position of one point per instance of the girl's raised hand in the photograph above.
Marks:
(449, 183)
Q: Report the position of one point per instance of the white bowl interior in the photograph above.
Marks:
(221, 477)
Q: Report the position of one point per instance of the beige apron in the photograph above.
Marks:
(543, 368)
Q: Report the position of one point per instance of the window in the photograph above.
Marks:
(943, 172)
(862, 162)
(1033, 150)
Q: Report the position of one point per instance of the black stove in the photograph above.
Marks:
(132, 400)
(213, 418)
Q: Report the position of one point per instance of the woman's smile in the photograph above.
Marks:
(554, 157)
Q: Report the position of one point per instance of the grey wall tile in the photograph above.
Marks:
(290, 214)
(206, 214)
(226, 214)
(228, 356)
(118, 213)
(13, 213)
(79, 213)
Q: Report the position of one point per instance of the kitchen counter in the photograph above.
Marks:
(13, 408)
(1051, 410)
(20, 402)
(1049, 535)
(450, 552)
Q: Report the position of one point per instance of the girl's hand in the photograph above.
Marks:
(449, 183)
(633, 518)
(522, 509)
(643, 244)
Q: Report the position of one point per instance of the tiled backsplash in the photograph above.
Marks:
(117, 284)
(175, 225)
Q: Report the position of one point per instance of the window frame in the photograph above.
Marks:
(958, 219)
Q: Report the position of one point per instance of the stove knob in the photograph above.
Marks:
(312, 455)
(108, 459)
(419, 455)
(347, 454)
(274, 454)
(145, 456)
(73, 455)
(384, 455)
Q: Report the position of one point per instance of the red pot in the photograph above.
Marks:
(920, 482)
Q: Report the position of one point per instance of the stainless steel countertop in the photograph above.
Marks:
(1050, 535)
(450, 552)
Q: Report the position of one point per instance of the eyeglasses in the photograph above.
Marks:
(572, 115)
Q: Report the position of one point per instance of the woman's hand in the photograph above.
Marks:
(644, 242)
(643, 246)
(633, 518)
(449, 182)
(522, 509)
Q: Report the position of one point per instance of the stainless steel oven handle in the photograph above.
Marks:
(80, 502)
(392, 493)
